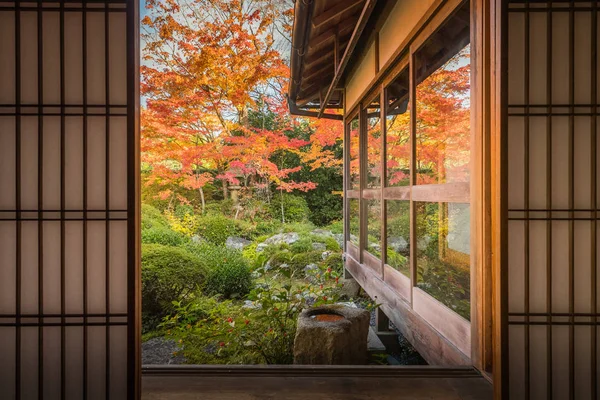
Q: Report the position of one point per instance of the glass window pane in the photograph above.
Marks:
(354, 152)
(354, 211)
(397, 119)
(373, 144)
(398, 235)
(443, 104)
(374, 227)
(443, 248)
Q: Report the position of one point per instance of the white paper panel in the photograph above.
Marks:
(560, 163)
(7, 361)
(51, 57)
(560, 270)
(560, 62)
(73, 58)
(118, 266)
(582, 362)
(118, 163)
(7, 57)
(537, 59)
(74, 267)
(52, 362)
(8, 262)
(7, 161)
(516, 354)
(29, 362)
(560, 362)
(118, 362)
(29, 163)
(538, 362)
(516, 167)
(96, 266)
(96, 74)
(29, 267)
(74, 362)
(29, 58)
(74, 163)
(516, 58)
(96, 370)
(537, 266)
(117, 59)
(582, 163)
(537, 163)
(51, 169)
(516, 266)
(583, 57)
(52, 267)
(96, 159)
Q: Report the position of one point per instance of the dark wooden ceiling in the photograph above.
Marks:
(331, 26)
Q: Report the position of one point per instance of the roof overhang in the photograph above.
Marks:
(324, 36)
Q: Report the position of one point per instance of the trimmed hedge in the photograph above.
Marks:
(216, 229)
(153, 218)
(164, 236)
(168, 274)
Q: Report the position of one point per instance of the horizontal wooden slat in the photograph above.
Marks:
(429, 342)
(372, 262)
(398, 281)
(397, 193)
(374, 194)
(454, 327)
(457, 192)
(335, 11)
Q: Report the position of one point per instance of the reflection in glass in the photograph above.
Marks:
(443, 247)
(354, 153)
(354, 215)
(398, 235)
(374, 227)
(397, 119)
(443, 115)
(373, 144)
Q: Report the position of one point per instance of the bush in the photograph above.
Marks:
(302, 246)
(228, 272)
(335, 262)
(165, 236)
(336, 227)
(153, 218)
(301, 260)
(216, 228)
(281, 257)
(168, 274)
(295, 208)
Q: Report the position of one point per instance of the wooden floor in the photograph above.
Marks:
(396, 385)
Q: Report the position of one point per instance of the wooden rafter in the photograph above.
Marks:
(334, 11)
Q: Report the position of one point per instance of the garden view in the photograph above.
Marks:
(242, 202)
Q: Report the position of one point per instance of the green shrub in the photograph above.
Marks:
(281, 257)
(336, 227)
(298, 227)
(295, 208)
(228, 272)
(264, 228)
(301, 260)
(335, 262)
(153, 218)
(165, 236)
(216, 228)
(302, 246)
(181, 210)
(168, 274)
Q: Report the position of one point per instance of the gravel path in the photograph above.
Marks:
(160, 351)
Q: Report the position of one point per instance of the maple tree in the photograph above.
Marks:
(207, 65)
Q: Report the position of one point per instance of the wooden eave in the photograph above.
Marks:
(322, 33)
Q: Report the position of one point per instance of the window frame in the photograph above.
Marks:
(456, 329)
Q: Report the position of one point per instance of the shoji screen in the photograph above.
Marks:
(553, 201)
(67, 199)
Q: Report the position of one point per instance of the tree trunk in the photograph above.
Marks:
(201, 190)
(225, 191)
(282, 209)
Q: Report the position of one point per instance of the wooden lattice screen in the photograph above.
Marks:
(552, 167)
(68, 95)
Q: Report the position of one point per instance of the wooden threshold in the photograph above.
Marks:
(315, 383)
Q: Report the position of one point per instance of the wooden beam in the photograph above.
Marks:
(334, 11)
(328, 35)
(362, 21)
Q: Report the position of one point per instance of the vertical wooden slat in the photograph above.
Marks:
(593, 184)
(40, 118)
(549, 199)
(18, 197)
(571, 167)
(85, 196)
(526, 97)
(62, 204)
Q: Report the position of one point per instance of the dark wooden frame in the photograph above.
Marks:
(481, 349)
